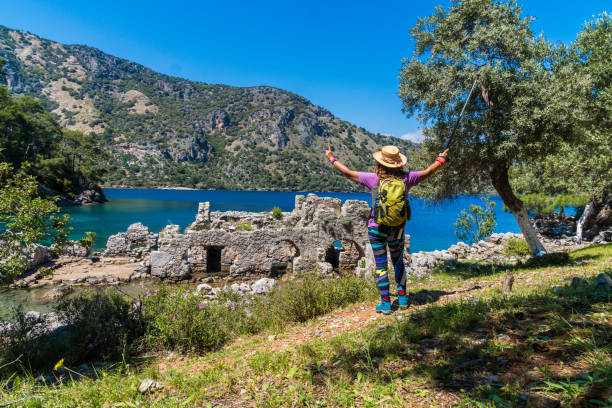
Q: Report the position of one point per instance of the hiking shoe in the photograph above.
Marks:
(384, 308)
(403, 301)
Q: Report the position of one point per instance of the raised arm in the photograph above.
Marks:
(348, 173)
(440, 160)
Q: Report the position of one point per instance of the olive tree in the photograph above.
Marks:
(522, 107)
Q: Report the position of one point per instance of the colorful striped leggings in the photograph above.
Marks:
(380, 237)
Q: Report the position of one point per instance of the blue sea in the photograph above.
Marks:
(430, 228)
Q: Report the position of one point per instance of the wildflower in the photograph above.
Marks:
(88, 335)
(58, 364)
(104, 373)
(187, 292)
(233, 307)
(173, 317)
(148, 294)
(91, 345)
(249, 314)
(201, 306)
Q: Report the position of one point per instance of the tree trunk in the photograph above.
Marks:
(580, 225)
(499, 177)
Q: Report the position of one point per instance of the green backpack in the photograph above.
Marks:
(390, 202)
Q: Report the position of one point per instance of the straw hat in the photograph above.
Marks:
(390, 156)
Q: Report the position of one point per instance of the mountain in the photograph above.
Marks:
(167, 131)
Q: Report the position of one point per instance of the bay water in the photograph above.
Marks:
(430, 228)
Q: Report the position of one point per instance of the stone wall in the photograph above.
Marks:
(243, 243)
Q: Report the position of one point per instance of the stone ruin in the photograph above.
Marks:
(246, 243)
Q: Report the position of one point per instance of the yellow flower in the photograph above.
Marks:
(58, 364)
(104, 373)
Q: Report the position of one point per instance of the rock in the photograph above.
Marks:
(578, 282)
(203, 287)
(38, 255)
(57, 292)
(148, 385)
(603, 281)
(504, 337)
(542, 401)
(263, 285)
(491, 378)
(76, 251)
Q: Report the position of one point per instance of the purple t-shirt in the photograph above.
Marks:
(370, 180)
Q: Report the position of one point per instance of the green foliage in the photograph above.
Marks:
(89, 240)
(584, 166)
(522, 109)
(244, 226)
(25, 219)
(277, 213)
(310, 296)
(101, 325)
(44, 272)
(62, 160)
(516, 247)
(540, 204)
(477, 223)
(181, 319)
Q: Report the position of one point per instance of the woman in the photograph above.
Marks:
(389, 166)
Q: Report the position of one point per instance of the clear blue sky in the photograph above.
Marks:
(342, 55)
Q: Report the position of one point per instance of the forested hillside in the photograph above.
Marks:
(167, 131)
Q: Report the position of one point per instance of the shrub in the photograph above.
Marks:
(478, 223)
(25, 219)
(277, 213)
(23, 337)
(43, 272)
(89, 240)
(181, 320)
(517, 247)
(101, 325)
(310, 296)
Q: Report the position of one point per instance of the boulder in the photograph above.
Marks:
(578, 282)
(263, 285)
(75, 250)
(603, 281)
(38, 256)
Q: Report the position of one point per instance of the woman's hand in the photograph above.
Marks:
(444, 153)
(329, 153)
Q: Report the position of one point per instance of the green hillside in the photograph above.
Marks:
(167, 131)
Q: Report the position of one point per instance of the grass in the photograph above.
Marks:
(479, 348)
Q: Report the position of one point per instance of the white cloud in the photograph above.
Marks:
(416, 137)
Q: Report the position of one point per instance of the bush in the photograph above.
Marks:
(181, 320)
(25, 219)
(310, 296)
(23, 337)
(478, 223)
(101, 326)
(517, 247)
(89, 240)
(277, 213)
